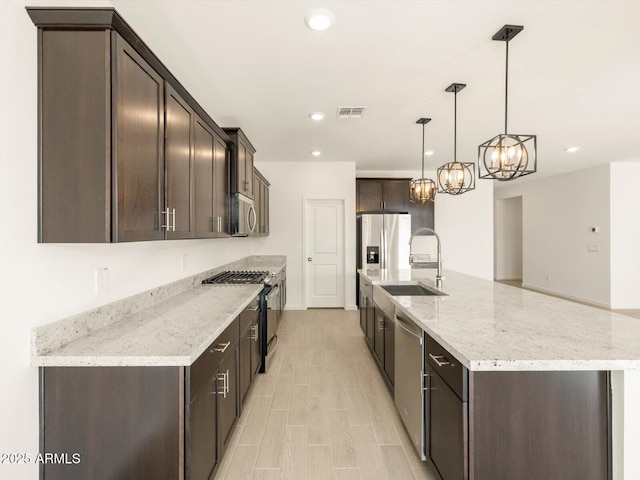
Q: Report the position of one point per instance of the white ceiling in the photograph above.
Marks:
(574, 75)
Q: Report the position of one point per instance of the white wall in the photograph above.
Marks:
(44, 283)
(290, 184)
(558, 213)
(625, 235)
(508, 239)
(464, 223)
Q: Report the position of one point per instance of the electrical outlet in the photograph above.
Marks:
(547, 277)
(183, 261)
(102, 280)
(593, 248)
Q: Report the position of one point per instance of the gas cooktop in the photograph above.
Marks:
(235, 277)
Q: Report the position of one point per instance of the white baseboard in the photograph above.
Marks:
(564, 295)
(351, 307)
(294, 307)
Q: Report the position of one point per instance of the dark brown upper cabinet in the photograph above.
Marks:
(211, 183)
(382, 195)
(387, 195)
(241, 162)
(117, 137)
(179, 147)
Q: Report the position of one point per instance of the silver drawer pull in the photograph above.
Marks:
(254, 308)
(254, 333)
(438, 358)
(223, 349)
(225, 383)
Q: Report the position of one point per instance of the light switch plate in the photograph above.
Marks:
(593, 248)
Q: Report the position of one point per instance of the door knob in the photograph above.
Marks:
(309, 259)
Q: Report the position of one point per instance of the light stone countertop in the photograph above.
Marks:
(170, 325)
(492, 326)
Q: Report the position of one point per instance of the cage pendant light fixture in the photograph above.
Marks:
(423, 190)
(456, 177)
(507, 156)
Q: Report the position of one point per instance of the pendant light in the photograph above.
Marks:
(507, 156)
(456, 177)
(423, 190)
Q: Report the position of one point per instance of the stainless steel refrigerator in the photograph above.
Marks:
(383, 240)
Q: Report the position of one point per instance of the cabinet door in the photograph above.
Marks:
(241, 168)
(369, 195)
(138, 147)
(179, 123)
(378, 336)
(221, 187)
(245, 363)
(249, 173)
(227, 403)
(363, 313)
(265, 206)
(389, 349)
(370, 322)
(395, 195)
(205, 222)
(447, 422)
(202, 454)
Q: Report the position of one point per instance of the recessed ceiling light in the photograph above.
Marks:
(572, 149)
(319, 19)
(316, 153)
(428, 153)
(317, 116)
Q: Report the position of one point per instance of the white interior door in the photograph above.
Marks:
(324, 252)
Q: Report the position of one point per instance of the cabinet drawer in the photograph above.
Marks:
(207, 363)
(248, 314)
(447, 366)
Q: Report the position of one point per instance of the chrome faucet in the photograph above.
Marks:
(439, 252)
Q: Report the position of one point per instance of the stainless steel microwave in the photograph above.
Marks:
(243, 215)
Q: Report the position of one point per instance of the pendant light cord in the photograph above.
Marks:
(422, 151)
(455, 125)
(506, 85)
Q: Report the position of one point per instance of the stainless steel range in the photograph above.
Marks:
(271, 303)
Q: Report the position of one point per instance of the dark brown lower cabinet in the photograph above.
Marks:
(132, 423)
(378, 337)
(389, 349)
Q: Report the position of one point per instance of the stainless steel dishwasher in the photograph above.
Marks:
(409, 380)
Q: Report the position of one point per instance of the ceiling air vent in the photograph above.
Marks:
(351, 112)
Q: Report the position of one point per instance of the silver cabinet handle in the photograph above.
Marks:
(225, 383)
(426, 382)
(167, 220)
(438, 358)
(380, 323)
(219, 224)
(173, 225)
(223, 349)
(254, 333)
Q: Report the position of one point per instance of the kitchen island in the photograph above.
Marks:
(539, 374)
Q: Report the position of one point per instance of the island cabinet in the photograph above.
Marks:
(249, 347)
(487, 425)
(117, 134)
(261, 203)
(134, 422)
(241, 162)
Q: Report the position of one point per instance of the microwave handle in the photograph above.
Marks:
(252, 212)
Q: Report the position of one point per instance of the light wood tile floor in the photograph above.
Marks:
(322, 411)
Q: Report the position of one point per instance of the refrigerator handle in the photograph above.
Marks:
(382, 251)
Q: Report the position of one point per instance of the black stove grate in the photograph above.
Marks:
(237, 277)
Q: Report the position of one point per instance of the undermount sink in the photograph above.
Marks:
(411, 290)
